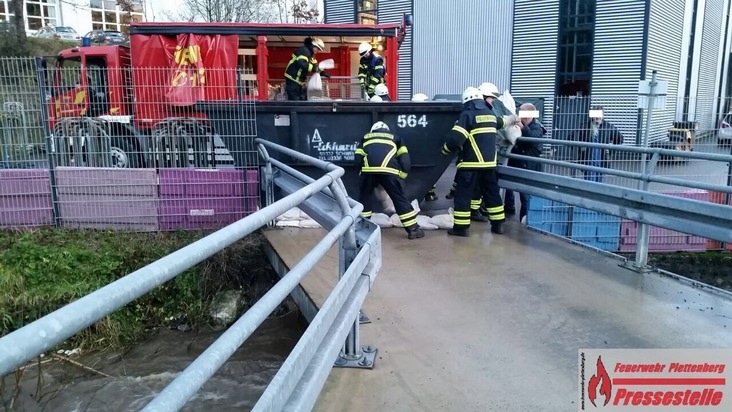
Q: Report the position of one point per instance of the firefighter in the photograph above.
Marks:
(420, 97)
(301, 64)
(371, 70)
(474, 136)
(384, 160)
(383, 92)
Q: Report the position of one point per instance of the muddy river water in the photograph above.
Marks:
(136, 376)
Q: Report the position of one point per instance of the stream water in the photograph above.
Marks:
(138, 375)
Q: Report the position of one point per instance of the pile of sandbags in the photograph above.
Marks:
(296, 218)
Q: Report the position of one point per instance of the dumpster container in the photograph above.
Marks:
(331, 131)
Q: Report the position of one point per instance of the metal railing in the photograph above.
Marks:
(633, 200)
(300, 379)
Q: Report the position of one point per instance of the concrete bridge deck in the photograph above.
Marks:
(494, 323)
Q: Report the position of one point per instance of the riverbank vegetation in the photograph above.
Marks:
(43, 270)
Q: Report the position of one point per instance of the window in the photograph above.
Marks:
(366, 11)
(106, 15)
(576, 46)
(38, 13)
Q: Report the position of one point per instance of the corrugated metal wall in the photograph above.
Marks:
(391, 12)
(709, 70)
(534, 60)
(459, 46)
(619, 27)
(339, 11)
(665, 38)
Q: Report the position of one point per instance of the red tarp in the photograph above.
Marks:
(182, 70)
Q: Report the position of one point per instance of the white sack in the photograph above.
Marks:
(309, 224)
(327, 64)
(425, 223)
(395, 220)
(315, 86)
(387, 205)
(381, 220)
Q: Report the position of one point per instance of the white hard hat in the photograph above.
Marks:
(318, 43)
(364, 48)
(420, 97)
(471, 93)
(379, 126)
(489, 89)
(376, 98)
(381, 90)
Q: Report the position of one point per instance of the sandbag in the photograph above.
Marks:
(288, 223)
(512, 133)
(395, 220)
(327, 64)
(292, 214)
(425, 223)
(381, 220)
(315, 86)
(309, 224)
(445, 221)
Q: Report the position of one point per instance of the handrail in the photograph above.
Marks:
(303, 374)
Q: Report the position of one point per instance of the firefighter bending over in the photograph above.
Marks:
(301, 64)
(474, 136)
(384, 160)
(371, 71)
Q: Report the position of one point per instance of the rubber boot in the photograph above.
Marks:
(431, 195)
(450, 195)
(459, 232)
(415, 232)
(476, 216)
(497, 228)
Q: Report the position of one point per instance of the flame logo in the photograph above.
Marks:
(601, 379)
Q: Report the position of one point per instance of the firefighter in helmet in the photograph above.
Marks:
(384, 160)
(301, 64)
(371, 71)
(383, 92)
(474, 137)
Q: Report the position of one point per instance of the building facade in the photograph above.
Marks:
(570, 53)
(82, 15)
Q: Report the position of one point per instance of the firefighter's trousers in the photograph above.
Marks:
(473, 184)
(392, 184)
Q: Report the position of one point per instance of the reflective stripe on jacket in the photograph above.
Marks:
(474, 136)
(301, 63)
(382, 152)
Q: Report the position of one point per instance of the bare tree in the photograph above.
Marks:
(223, 11)
(238, 11)
(17, 7)
(127, 6)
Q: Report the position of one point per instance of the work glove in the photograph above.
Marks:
(324, 74)
(512, 119)
(316, 68)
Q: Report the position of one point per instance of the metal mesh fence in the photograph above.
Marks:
(334, 88)
(131, 149)
(700, 125)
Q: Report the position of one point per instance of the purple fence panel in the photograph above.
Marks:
(108, 198)
(664, 240)
(205, 198)
(25, 198)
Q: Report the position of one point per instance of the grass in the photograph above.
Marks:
(43, 270)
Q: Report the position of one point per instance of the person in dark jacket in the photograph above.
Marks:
(384, 160)
(601, 131)
(530, 128)
(473, 137)
(301, 64)
(371, 69)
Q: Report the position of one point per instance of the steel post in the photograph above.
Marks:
(50, 149)
(641, 249)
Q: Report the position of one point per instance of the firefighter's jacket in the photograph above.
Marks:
(301, 63)
(384, 153)
(371, 72)
(474, 136)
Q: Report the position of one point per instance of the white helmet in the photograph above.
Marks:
(364, 48)
(420, 97)
(376, 98)
(489, 90)
(379, 126)
(381, 90)
(318, 43)
(471, 93)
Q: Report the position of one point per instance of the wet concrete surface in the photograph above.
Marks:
(141, 373)
(494, 323)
